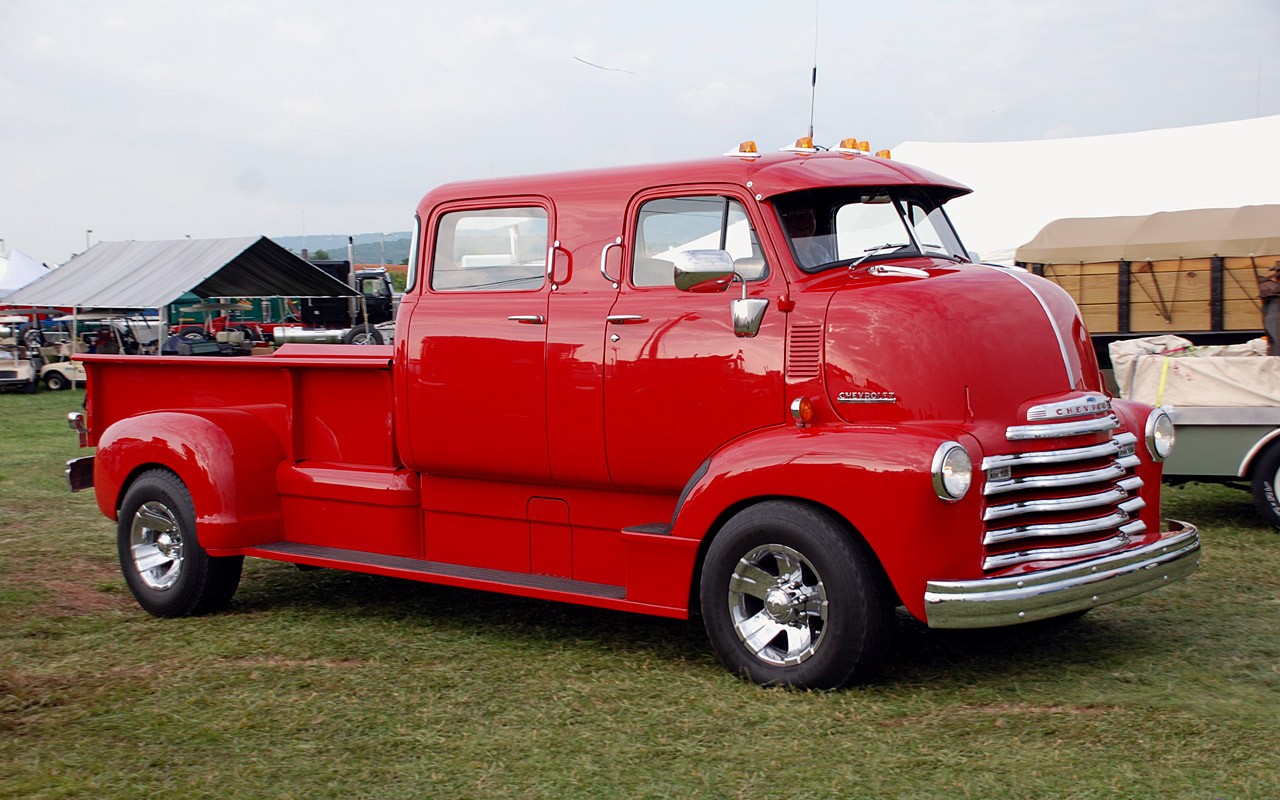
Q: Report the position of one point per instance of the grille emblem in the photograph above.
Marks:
(1066, 409)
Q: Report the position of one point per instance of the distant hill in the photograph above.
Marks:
(369, 247)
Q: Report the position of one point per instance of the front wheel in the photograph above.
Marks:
(1266, 485)
(168, 572)
(791, 597)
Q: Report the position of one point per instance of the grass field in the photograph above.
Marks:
(325, 684)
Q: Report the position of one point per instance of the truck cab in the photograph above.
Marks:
(770, 390)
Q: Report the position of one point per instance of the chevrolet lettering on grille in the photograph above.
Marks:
(1077, 407)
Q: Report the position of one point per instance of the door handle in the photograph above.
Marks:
(528, 319)
(625, 319)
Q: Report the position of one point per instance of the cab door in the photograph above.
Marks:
(477, 381)
(678, 382)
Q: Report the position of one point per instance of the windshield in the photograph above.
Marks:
(836, 227)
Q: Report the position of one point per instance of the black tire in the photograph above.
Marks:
(56, 382)
(1266, 484)
(769, 571)
(362, 334)
(193, 333)
(168, 572)
(30, 386)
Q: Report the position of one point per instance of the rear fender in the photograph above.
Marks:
(226, 458)
(878, 480)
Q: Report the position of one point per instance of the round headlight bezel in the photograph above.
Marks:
(952, 470)
(1161, 434)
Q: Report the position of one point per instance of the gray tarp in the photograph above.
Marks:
(154, 274)
(1166, 236)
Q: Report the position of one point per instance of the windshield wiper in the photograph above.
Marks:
(871, 251)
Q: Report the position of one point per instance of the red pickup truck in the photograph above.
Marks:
(772, 390)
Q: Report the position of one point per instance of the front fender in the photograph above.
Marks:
(877, 478)
(226, 458)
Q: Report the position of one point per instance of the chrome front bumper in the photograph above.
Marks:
(994, 602)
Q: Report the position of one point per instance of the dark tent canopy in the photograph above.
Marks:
(154, 274)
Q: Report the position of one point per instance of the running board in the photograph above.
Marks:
(435, 571)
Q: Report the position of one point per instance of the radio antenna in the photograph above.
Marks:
(813, 82)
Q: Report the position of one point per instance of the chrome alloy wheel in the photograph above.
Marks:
(155, 541)
(778, 604)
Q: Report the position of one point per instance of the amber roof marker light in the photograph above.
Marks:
(746, 149)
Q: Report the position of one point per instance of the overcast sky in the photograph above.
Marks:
(157, 120)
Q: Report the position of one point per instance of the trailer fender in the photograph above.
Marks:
(878, 480)
(227, 459)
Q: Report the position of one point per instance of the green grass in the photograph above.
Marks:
(327, 684)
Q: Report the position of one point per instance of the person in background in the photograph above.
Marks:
(1269, 289)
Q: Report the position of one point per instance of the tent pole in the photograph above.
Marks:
(163, 334)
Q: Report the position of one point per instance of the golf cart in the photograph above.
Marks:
(20, 362)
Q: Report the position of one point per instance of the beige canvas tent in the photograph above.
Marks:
(1174, 271)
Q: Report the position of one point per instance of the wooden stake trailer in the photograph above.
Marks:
(1193, 273)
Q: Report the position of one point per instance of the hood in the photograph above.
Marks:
(966, 343)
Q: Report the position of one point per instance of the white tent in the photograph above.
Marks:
(1019, 187)
(17, 270)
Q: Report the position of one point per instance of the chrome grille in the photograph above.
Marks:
(1061, 503)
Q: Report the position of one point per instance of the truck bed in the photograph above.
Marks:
(325, 403)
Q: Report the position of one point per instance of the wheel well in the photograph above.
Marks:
(129, 480)
(695, 609)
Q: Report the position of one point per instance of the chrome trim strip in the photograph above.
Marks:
(1110, 448)
(1109, 472)
(1009, 600)
(1137, 526)
(1129, 462)
(1049, 529)
(1055, 553)
(1061, 430)
(1132, 506)
(1132, 484)
(1024, 279)
(1056, 505)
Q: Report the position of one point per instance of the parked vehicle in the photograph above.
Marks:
(575, 410)
(1225, 403)
(19, 361)
(318, 320)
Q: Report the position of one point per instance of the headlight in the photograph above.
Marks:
(952, 471)
(1160, 434)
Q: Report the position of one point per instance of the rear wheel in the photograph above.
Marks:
(362, 334)
(168, 572)
(55, 381)
(193, 333)
(791, 597)
(1266, 484)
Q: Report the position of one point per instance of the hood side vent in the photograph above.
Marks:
(804, 351)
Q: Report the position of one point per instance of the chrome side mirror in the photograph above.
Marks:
(705, 271)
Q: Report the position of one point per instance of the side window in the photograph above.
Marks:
(675, 224)
(490, 250)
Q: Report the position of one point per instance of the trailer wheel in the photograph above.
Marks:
(362, 334)
(55, 381)
(1266, 485)
(790, 597)
(193, 333)
(168, 572)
